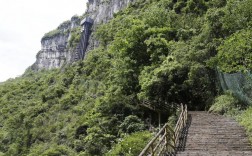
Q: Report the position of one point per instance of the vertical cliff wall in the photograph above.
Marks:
(54, 46)
(55, 50)
(101, 11)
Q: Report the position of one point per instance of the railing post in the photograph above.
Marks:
(152, 150)
(166, 137)
(182, 109)
(186, 112)
(183, 116)
(184, 122)
(174, 142)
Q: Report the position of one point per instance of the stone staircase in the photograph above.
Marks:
(213, 135)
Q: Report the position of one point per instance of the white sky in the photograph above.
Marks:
(22, 25)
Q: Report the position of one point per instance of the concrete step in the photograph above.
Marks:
(209, 142)
(210, 134)
(218, 146)
(214, 153)
(217, 136)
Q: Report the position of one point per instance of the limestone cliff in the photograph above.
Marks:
(55, 50)
(54, 46)
(102, 11)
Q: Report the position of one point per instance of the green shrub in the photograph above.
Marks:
(75, 37)
(172, 120)
(132, 124)
(51, 34)
(52, 150)
(131, 145)
(64, 24)
(225, 104)
(147, 52)
(58, 151)
(245, 120)
(235, 52)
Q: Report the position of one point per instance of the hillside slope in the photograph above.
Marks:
(59, 46)
(158, 51)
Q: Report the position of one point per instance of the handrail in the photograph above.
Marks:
(167, 138)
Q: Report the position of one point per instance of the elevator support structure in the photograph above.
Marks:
(86, 24)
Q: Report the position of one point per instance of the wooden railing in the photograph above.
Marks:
(166, 140)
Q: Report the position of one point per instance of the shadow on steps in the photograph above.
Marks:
(182, 138)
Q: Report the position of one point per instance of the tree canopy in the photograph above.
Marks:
(163, 51)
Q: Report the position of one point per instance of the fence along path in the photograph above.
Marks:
(200, 133)
(166, 140)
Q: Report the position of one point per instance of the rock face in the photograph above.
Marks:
(55, 50)
(103, 10)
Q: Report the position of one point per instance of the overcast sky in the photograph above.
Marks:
(22, 25)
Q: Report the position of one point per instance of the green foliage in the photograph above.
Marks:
(75, 37)
(63, 29)
(245, 120)
(131, 145)
(51, 34)
(53, 150)
(153, 50)
(64, 24)
(196, 6)
(238, 15)
(190, 6)
(235, 53)
(153, 16)
(132, 124)
(225, 104)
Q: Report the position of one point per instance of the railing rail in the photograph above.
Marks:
(166, 139)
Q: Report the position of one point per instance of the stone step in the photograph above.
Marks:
(214, 153)
(220, 143)
(214, 144)
(217, 141)
(207, 122)
(217, 134)
(196, 140)
(210, 134)
(207, 135)
(215, 129)
(218, 146)
(218, 126)
(218, 149)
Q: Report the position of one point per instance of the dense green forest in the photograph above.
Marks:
(163, 51)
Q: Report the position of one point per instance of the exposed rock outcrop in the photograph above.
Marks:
(55, 50)
(102, 11)
(54, 46)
